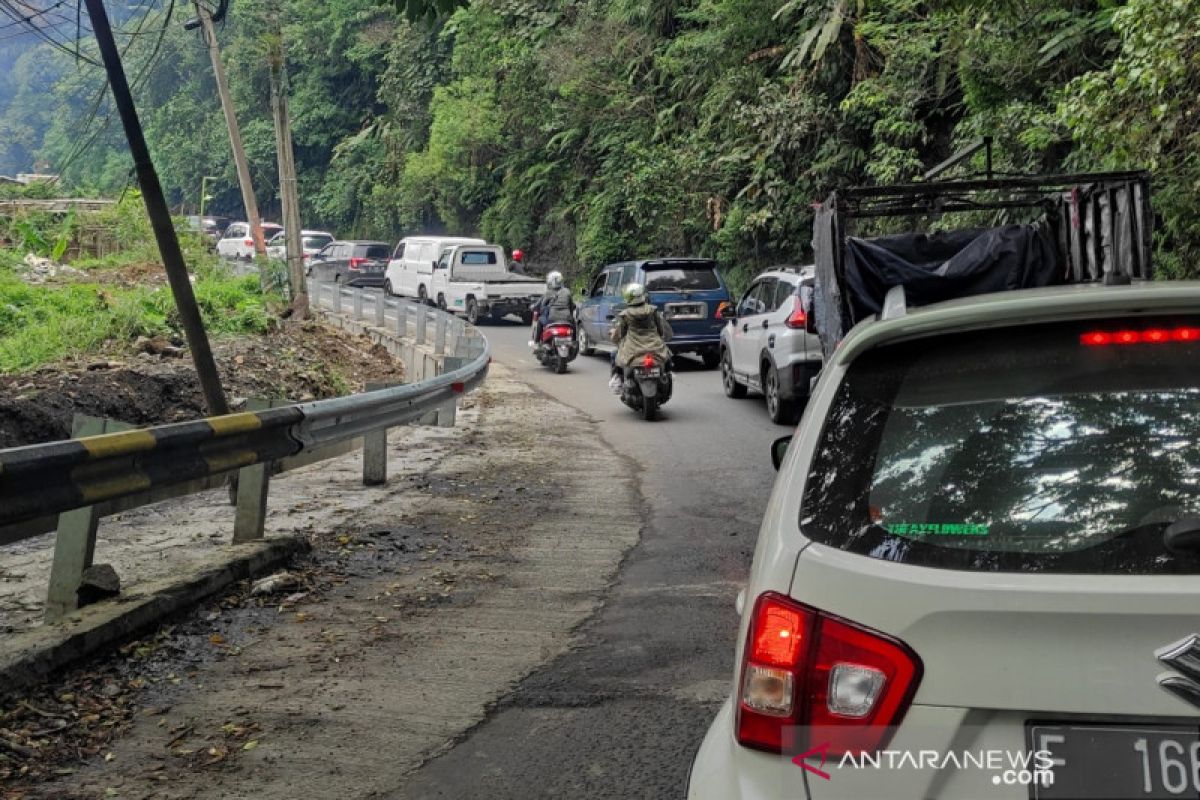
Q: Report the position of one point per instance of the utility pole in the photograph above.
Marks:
(160, 214)
(288, 190)
(235, 140)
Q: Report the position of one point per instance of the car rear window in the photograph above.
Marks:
(372, 251)
(676, 278)
(478, 257)
(315, 242)
(1052, 448)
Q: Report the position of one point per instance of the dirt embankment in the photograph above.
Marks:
(299, 361)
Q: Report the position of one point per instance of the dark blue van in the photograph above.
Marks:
(689, 292)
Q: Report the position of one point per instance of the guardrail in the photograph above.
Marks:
(70, 484)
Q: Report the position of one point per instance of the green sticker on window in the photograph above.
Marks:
(936, 529)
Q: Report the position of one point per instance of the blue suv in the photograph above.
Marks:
(689, 291)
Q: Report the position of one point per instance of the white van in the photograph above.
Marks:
(410, 271)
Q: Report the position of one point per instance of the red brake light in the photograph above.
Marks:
(249, 243)
(798, 318)
(355, 263)
(648, 361)
(723, 310)
(557, 330)
(811, 680)
(1148, 336)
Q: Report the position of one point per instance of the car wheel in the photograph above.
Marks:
(472, 311)
(711, 358)
(423, 295)
(732, 387)
(441, 303)
(585, 343)
(387, 289)
(781, 412)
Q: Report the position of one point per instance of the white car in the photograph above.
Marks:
(311, 241)
(978, 575)
(771, 346)
(410, 270)
(235, 243)
(475, 280)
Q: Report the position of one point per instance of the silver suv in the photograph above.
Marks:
(771, 346)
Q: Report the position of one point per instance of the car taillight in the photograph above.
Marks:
(249, 243)
(1148, 336)
(648, 361)
(356, 263)
(724, 310)
(812, 680)
(798, 318)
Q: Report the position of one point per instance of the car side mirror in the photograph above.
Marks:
(779, 449)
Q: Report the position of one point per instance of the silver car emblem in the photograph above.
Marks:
(1183, 656)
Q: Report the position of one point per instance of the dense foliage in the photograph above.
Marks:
(589, 130)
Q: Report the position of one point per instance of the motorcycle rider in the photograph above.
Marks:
(639, 328)
(556, 305)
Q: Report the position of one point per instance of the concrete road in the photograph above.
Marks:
(622, 714)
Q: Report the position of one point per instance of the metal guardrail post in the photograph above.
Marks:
(358, 304)
(337, 298)
(448, 412)
(401, 319)
(374, 451)
(380, 309)
(253, 486)
(439, 335)
(75, 541)
(422, 317)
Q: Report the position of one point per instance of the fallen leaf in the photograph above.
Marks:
(217, 638)
(250, 745)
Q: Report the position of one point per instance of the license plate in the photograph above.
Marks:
(562, 341)
(649, 373)
(1117, 762)
(685, 310)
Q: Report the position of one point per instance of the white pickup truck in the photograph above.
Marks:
(474, 280)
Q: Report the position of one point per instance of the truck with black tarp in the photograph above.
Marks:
(1014, 233)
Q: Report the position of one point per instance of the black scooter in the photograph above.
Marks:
(647, 386)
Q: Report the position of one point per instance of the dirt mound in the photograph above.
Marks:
(299, 361)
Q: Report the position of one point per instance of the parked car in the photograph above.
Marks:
(410, 270)
(311, 241)
(771, 345)
(353, 263)
(236, 243)
(474, 280)
(689, 291)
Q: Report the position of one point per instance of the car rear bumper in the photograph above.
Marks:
(795, 379)
(689, 343)
(350, 279)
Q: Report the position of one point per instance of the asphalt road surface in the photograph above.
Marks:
(622, 715)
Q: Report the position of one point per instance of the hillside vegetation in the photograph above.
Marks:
(584, 131)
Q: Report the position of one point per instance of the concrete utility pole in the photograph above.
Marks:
(235, 139)
(288, 190)
(159, 213)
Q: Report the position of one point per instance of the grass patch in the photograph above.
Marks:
(45, 323)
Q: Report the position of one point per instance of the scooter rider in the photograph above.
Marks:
(639, 328)
(556, 305)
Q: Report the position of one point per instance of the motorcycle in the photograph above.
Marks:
(647, 386)
(557, 346)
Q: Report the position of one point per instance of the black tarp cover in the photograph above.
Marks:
(942, 266)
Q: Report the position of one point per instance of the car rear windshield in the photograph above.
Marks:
(315, 242)
(372, 251)
(1063, 448)
(478, 257)
(675, 278)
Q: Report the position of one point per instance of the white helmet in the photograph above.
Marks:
(554, 280)
(635, 294)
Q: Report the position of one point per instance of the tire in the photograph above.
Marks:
(732, 388)
(441, 301)
(711, 358)
(560, 365)
(472, 311)
(585, 342)
(649, 408)
(781, 412)
(423, 295)
(387, 289)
